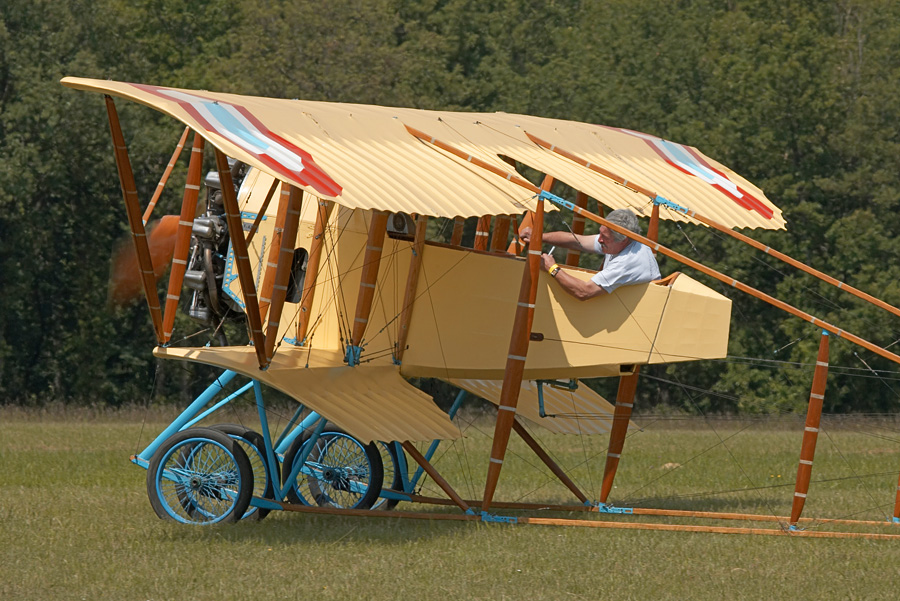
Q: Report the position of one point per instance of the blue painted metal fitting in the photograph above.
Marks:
(895, 520)
(794, 528)
(604, 508)
(544, 195)
(660, 200)
(498, 519)
(353, 354)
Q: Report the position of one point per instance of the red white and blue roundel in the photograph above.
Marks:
(687, 160)
(239, 126)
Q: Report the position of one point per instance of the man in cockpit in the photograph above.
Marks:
(627, 261)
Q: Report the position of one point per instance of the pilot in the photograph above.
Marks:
(627, 261)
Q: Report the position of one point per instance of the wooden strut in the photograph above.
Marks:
(722, 228)
(133, 209)
(621, 418)
(459, 225)
(371, 263)
(262, 212)
(323, 214)
(624, 405)
(653, 228)
(412, 283)
(678, 513)
(500, 233)
(165, 176)
(811, 431)
(271, 266)
(183, 235)
(516, 246)
(573, 257)
(284, 268)
(515, 361)
(482, 231)
(455, 517)
(548, 461)
(897, 504)
(241, 258)
(433, 473)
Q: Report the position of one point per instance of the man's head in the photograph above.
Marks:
(613, 243)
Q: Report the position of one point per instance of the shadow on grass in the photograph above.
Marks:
(290, 528)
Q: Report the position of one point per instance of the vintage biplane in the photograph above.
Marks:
(312, 230)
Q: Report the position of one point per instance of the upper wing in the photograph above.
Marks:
(362, 156)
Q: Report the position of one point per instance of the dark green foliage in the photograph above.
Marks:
(799, 96)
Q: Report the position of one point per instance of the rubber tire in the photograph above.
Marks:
(254, 446)
(392, 478)
(183, 447)
(319, 492)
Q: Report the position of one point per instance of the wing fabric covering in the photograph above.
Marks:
(581, 411)
(371, 402)
(362, 156)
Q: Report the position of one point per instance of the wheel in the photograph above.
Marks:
(339, 471)
(392, 476)
(200, 476)
(254, 445)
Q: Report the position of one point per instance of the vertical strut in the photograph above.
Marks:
(811, 431)
(653, 228)
(515, 361)
(516, 246)
(501, 233)
(183, 235)
(371, 264)
(241, 259)
(271, 266)
(323, 213)
(132, 207)
(581, 200)
(284, 267)
(482, 231)
(458, 226)
(621, 417)
(412, 282)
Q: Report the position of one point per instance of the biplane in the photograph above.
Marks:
(313, 232)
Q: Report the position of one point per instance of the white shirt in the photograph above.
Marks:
(635, 264)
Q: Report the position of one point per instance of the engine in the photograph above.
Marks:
(207, 258)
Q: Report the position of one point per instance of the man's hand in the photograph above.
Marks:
(525, 235)
(547, 261)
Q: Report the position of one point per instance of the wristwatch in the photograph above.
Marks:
(554, 269)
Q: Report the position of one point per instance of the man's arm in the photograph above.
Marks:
(580, 289)
(566, 240)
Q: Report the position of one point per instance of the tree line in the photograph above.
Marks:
(799, 96)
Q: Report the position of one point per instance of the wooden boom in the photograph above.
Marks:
(718, 226)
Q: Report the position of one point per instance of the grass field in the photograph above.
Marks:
(76, 522)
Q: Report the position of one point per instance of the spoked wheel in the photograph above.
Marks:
(254, 446)
(200, 476)
(339, 471)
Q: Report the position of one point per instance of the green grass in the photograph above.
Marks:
(75, 523)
